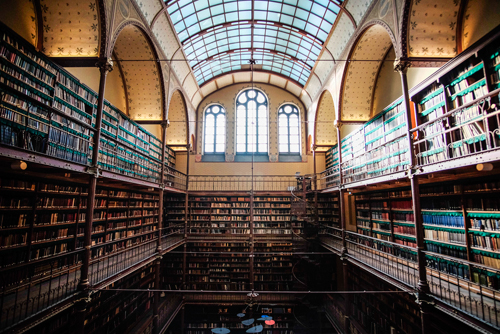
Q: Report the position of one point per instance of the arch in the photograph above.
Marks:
(360, 75)
(133, 50)
(324, 132)
(178, 131)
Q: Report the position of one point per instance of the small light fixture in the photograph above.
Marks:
(19, 165)
(484, 167)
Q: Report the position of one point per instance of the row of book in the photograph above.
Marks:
(446, 236)
(491, 242)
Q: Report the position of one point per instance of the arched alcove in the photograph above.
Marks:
(134, 57)
(324, 132)
(20, 16)
(177, 133)
(366, 58)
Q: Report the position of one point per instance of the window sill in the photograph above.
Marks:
(247, 157)
(290, 158)
(216, 157)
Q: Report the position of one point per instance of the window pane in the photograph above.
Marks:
(242, 98)
(294, 131)
(209, 148)
(209, 139)
(283, 130)
(262, 148)
(294, 139)
(240, 130)
(219, 148)
(241, 139)
(262, 139)
(294, 148)
(240, 148)
(294, 120)
(284, 148)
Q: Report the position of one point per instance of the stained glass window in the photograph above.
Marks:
(251, 122)
(215, 129)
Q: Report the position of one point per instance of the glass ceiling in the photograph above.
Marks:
(284, 36)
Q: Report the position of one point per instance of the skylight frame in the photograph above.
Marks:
(287, 27)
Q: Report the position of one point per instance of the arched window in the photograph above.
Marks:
(251, 122)
(215, 129)
(289, 129)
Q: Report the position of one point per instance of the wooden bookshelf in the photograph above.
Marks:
(45, 109)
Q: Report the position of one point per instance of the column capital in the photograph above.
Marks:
(105, 64)
(337, 124)
(165, 124)
(401, 65)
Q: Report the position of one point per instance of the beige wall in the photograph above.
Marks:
(388, 85)
(416, 75)
(243, 168)
(227, 98)
(114, 93)
(18, 15)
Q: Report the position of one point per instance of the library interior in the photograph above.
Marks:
(249, 166)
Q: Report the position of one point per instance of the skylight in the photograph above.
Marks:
(284, 36)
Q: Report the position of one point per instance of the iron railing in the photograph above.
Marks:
(32, 287)
(242, 183)
(468, 130)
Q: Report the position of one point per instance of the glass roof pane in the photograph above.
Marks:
(199, 25)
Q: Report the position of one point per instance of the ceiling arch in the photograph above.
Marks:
(363, 66)
(177, 132)
(70, 28)
(143, 81)
(324, 132)
(480, 17)
(21, 17)
(432, 28)
(211, 31)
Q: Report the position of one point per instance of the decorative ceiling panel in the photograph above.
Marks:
(261, 77)
(180, 67)
(480, 17)
(293, 88)
(190, 86)
(324, 66)
(358, 8)
(70, 28)
(326, 134)
(140, 72)
(208, 88)
(224, 81)
(284, 36)
(313, 86)
(149, 8)
(20, 15)
(341, 35)
(242, 76)
(432, 28)
(166, 37)
(277, 81)
(196, 99)
(177, 131)
(361, 73)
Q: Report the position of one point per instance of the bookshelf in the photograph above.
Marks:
(271, 215)
(386, 216)
(328, 210)
(114, 312)
(378, 147)
(45, 109)
(228, 271)
(221, 215)
(452, 115)
(273, 265)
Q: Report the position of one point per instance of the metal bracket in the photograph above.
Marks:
(96, 171)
